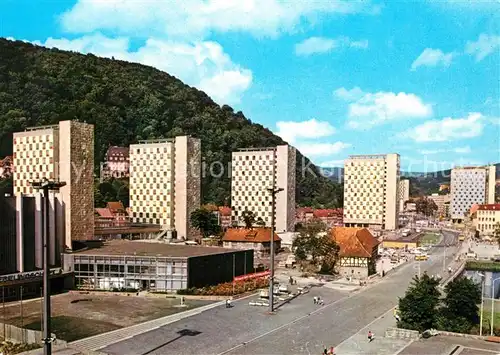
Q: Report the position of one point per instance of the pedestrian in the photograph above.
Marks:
(315, 299)
(332, 351)
(325, 351)
(320, 301)
(370, 336)
(228, 303)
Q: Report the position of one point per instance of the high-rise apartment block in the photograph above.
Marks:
(371, 184)
(254, 171)
(165, 183)
(63, 152)
(471, 185)
(403, 193)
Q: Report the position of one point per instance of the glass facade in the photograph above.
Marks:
(130, 272)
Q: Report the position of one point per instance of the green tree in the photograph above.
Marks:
(425, 206)
(248, 217)
(6, 186)
(205, 221)
(417, 309)
(314, 241)
(459, 312)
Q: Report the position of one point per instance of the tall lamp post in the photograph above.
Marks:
(493, 303)
(273, 191)
(482, 304)
(46, 186)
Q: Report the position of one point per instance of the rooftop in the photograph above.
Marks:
(354, 241)
(145, 248)
(490, 207)
(253, 235)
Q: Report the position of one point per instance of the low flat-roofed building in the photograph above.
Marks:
(358, 251)
(411, 241)
(154, 266)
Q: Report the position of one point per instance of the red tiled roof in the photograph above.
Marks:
(104, 212)
(225, 211)
(304, 210)
(354, 241)
(328, 213)
(254, 235)
(490, 207)
(116, 206)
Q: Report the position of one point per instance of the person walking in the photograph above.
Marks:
(370, 336)
(332, 351)
(315, 299)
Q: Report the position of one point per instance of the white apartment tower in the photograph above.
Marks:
(254, 171)
(471, 185)
(165, 183)
(403, 193)
(371, 184)
(62, 152)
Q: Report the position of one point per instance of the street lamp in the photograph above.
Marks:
(273, 191)
(493, 303)
(482, 303)
(45, 185)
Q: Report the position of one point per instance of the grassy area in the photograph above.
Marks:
(483, 266)
(430, 239)
(487, 322)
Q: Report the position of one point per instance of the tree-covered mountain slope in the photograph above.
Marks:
(128, 102)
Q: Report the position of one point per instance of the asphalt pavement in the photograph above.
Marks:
(296, 328)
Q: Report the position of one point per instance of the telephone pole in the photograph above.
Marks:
(273, 191)
(46, 186)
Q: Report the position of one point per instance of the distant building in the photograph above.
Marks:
(471, 185)
(358, 251)
(160, 267)
(63, 152)
(371, 184)
(330, 217)
(6, 167)
(116, 164)
(440, 201)
(224, 214)
(403, 193)
(255, 170)
(165, 183)
(486, 218)
(114, 215)
(258, 239)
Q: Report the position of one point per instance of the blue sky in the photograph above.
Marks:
(333, 78)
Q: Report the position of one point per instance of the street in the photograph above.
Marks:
(298, 328)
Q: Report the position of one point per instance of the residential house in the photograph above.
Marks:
(331, 217)
(358, 251)
(113, 215)
(117, 163)
(224, 215)
(257, 239)
(486, 218)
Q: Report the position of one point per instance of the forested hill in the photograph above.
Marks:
(128, 102)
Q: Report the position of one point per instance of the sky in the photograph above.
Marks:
(333, 78)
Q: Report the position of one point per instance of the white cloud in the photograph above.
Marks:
(204, 65)
(370, 109)
(316, 45)
(448, 129)
(321, 149)
(349, 95)
(484, 46)
(459, 150)
(432, 58)
(198, 18)
(290, 130)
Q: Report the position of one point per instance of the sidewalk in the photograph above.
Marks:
(358, 343)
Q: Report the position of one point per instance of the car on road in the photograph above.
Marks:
(421, 257)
